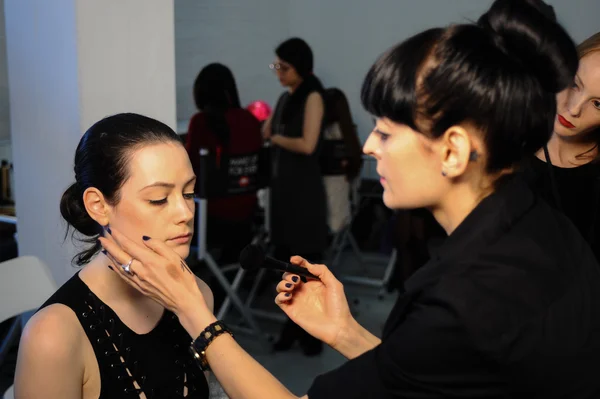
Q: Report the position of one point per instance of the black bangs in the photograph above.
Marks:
(389, 89)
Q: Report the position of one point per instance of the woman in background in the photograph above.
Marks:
(298, 201)
(566, 172)
(224, 128)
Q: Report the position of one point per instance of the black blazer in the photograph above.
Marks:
(508, 307)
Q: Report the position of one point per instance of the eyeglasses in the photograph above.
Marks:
(279, 67)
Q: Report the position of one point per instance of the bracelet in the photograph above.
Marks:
(199, 345)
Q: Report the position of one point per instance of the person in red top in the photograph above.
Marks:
(224, 128)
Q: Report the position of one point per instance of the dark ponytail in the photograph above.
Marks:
(215, 92)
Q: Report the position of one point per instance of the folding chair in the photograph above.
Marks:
(222, 176)
(262, 238)
(362, 192)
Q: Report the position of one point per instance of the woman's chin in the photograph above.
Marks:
(182, 250)
(564, 132)
(389, 200)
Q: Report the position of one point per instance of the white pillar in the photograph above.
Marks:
(70, 63)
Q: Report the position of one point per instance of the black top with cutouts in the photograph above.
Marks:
(158, 363)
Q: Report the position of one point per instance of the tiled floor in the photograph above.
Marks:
(292, 368)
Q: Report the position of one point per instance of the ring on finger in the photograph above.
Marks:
(127, 267)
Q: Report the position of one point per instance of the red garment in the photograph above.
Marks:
(245, 137)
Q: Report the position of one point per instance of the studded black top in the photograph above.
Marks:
(158, 363)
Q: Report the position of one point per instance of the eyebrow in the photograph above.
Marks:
(167, 185)
(376, 130)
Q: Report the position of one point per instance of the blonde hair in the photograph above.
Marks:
(586, 47)
(589, 45)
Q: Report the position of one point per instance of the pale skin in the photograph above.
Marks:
(313, 115)
(56, 359)
(580, 106)
(320, 306)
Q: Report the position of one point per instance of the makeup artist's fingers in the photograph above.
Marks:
(117, 254)
(140, 252)
(130, 278)
(292, 278)
(285, 286)
(319, 270)
(160, 248)
(283, 298)
(299, 260)
(121, 257)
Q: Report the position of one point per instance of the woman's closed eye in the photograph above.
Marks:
(158, 202)
(187, 196)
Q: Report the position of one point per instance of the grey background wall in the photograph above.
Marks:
(346, 37)
(4, 110)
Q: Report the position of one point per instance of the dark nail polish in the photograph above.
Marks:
(110, 267)
(108, 229)
(145, 238)
(295, 279)
(104, 252)
(287, 294)
(288, 285)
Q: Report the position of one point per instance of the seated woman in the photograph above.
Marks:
(224, 128)
(98, 337)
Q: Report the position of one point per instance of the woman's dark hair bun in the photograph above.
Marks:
(527, 31)
(73, 211)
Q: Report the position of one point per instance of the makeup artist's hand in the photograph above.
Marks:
(157, 272)
(319, 306)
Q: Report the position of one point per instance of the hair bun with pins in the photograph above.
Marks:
(527, 30)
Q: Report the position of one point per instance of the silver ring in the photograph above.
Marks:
(127, 267)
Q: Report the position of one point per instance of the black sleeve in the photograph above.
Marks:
(428, 355)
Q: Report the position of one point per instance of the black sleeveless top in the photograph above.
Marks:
(159, 361)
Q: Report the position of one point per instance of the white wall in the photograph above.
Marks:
(69, 64)
(42, 69)
(126, 59)
(345, 35)
(4, 110)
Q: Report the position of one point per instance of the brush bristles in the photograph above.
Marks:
(252, 257)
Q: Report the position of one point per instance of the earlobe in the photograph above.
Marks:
(96, 205)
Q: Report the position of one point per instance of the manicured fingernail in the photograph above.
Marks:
(288, 285)
(108, 229)
(295, 279)
(145, 238)
(110, 267)
(287, 294)
(104, 252)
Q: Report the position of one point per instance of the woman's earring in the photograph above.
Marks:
(473, 156)
(444, 173)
